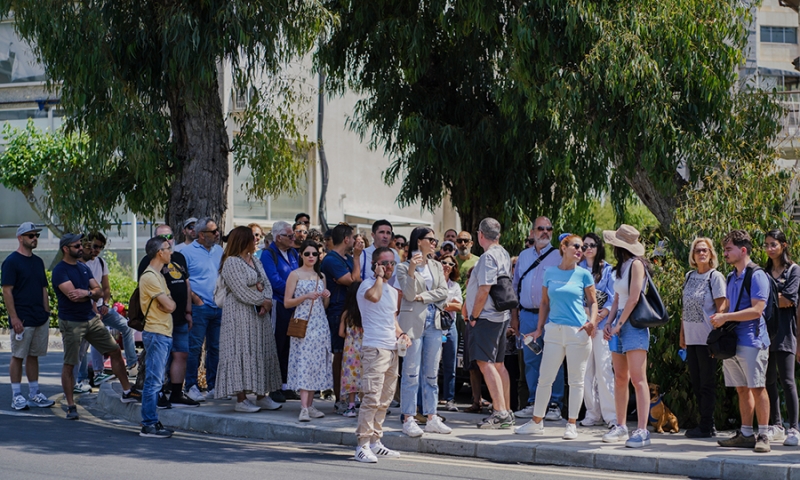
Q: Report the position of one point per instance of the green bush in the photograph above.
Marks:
(119, 279)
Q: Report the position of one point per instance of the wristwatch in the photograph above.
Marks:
(473, 319)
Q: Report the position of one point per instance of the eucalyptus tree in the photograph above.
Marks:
(142, 80)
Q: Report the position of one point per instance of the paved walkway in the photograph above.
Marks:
(668, 454)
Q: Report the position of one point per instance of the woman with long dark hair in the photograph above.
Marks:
(598, 392)
(628, 344)
(248, 357)
(310, 357)
(783, 347)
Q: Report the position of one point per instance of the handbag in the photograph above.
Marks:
(220, 291)
(503, 294)
(445, 319)
(649, 311)
(722, 341)
(298, 326)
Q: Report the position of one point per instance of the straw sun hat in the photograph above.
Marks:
(625, 237)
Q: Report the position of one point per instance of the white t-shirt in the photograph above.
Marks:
(424, 271)
(99, 268)
(378, 319)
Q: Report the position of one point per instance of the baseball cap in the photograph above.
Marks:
(189, 221)
(448, 242)
(69, 238)
(27, 227)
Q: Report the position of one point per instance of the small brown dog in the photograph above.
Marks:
(660, 414)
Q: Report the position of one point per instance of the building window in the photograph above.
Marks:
(17, 61)
(283, 207)
(779, 34)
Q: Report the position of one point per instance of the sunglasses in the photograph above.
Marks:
(168, 236)
(32, 235)
(449, 264)
(77, 245)
(530, 241)
(582, 248)
(387, 263)
(542, 229)
(304, 232)
(311, 254)
(430, 239)
(700, 250)
(189, 227)
(587, 246)
(462, 240)
(289, 235)
(399, 244)
(212, 232)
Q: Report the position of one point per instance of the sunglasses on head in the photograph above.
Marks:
(542, 229)
(32, 235)
(311, 254)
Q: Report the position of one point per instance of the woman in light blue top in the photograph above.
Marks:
(598, 392)
(565, 291)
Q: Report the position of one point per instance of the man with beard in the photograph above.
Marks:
(381, 237)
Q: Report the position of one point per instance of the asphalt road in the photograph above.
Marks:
(40, 443)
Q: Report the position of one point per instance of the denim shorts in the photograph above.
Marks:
(180, 338)
(631, 338)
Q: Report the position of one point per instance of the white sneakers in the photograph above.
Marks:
(195, 394)
(792, 438)
(526, 412)
(591, 422)
(571, 432)
(365, 455)
(411, 428)
(267, 403)
(616, 434)
(306, 414)
(435, 425)
(303, 417)
(776, 433)
(553, 413)
(246, 407)
(370, 454)
(531, 428)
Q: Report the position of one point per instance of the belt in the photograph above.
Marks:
(529, 310)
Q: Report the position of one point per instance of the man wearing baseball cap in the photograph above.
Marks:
(189, 235)
(25, 295)
(78, 320)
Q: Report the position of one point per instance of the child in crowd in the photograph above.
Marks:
(350, 329)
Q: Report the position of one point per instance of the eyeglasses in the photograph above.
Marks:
(311, 254)
(542, 229)
(462, 240)
(530, 241)
(449, 264)
(100, 247)
(430, 239)
(32, 235)
(589, 245)
(387, 263)
(700, 250)
(168, 236)
(212, 232)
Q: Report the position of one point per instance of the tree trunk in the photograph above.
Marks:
(323, 161)
(662, 206)
(201, 146)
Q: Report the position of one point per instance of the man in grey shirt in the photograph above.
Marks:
(487, 336)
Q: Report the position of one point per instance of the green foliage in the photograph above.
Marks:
(741, 194)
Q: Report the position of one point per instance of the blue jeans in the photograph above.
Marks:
(157, 347)
(449, 352)
(422, 357)
(81, 370)
(527, 323)
(206, 323)
(117, 322)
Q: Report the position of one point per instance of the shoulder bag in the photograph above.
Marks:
(298, 326)
(220, 291)
(649, 311)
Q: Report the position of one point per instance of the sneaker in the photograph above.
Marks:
(102, 377)
(411, 428)
(640, 438)
(350, 413)
(195, 394)
(277, 396)
(792, 438)
(213, 395)
(553, 413)
(776, 433)
(83, 387)
(39, 400)
(591, 422)
(450, 406)
(380, 450)
(530, 428)
(571, 432)
(526, 412)
(496, 421)
(314, 413)
(762, 444)
(246, 407)
(698, 432)
(435, 425)
(738, 441)
(133, 370)
(617, 433)
(163, 402)
(132, 396)
(155, 431)
(365, 455)
(267, 403)
(19, 402)
(72, 413)
(340, 407)
(180, 400)
(304, 415)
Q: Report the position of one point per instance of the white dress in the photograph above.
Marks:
(310, 359)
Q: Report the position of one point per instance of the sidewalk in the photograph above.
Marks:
(672, 454)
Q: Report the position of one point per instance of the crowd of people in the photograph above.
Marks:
(374, 322)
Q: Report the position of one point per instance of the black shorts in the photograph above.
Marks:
(487, 341)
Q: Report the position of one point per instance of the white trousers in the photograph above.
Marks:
(562, 341)
(598, 393)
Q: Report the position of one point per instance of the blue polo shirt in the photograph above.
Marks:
(752, 333)
(203, 268)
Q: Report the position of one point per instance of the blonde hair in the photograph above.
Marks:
(567, 240)
(713, 261)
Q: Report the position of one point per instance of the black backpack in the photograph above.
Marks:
(771, 309)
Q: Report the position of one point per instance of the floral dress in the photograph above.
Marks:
(310, 358)
(351, 361)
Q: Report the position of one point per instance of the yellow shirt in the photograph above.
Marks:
(151, 285)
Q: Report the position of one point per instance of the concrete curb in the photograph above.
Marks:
(711, 462)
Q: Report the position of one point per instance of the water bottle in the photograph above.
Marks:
(401, 348)
(682, 354)
(18, 336)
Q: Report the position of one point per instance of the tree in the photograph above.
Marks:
(518, 109)
(141, 80)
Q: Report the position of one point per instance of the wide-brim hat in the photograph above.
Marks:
(625, 237)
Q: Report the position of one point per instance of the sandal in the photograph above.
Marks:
(473, 409)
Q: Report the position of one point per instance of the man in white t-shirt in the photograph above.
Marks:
(377, 302)
(381, 237)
